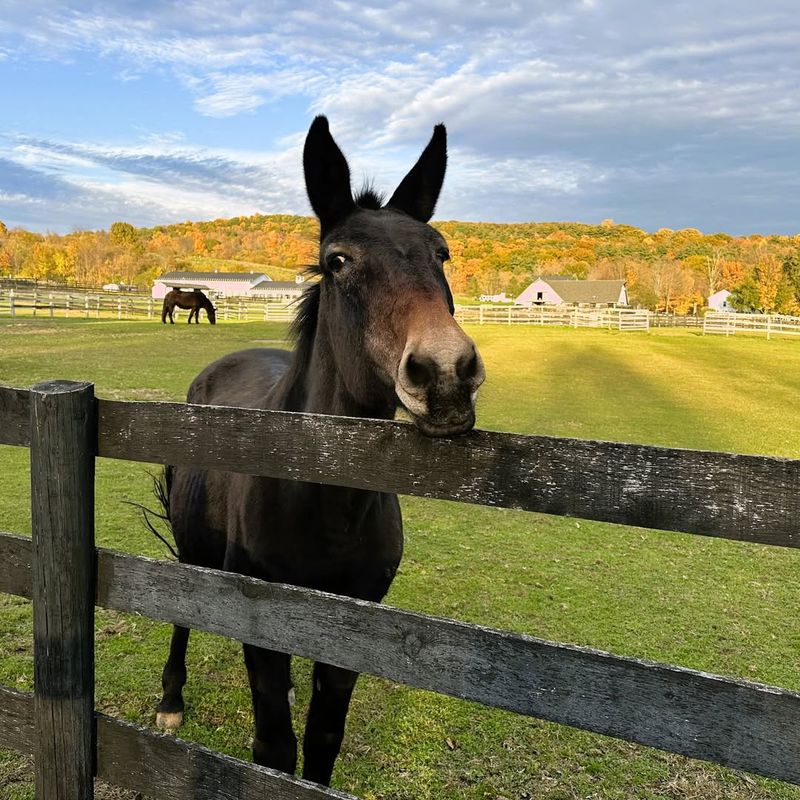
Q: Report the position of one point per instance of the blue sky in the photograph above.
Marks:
(656, 115)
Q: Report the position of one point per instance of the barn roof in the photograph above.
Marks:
(572, 291)
(270, 285)
(224, 277)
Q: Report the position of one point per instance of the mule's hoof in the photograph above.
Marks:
(169, 720)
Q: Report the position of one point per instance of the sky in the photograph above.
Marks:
(656, 115)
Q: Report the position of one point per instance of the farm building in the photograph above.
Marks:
(561, 290)
(720, 301)
(278, 290)
(227, 284)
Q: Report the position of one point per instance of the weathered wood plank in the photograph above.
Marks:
(16, 556)
(17, 731)
(161, 766)
(754, 498)
(730, 722)
(62, 516)
(751, 498)
(725, 721)
(15, 416)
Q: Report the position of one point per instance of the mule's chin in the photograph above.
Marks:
(448, 422)
(432, 427)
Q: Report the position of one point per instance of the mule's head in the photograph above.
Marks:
(384, 298)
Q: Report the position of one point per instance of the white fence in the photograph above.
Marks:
(61, 303)
(729, 323)
(622, 319)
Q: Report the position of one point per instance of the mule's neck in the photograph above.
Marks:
(316, 382)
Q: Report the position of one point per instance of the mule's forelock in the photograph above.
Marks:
(369, 197)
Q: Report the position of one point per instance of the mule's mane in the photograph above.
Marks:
(368, 197)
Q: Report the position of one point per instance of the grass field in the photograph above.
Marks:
(708, 604)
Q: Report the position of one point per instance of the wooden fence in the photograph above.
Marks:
(729, 323)
(125, 305)
(730, 722)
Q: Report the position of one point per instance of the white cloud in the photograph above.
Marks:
(560, 100)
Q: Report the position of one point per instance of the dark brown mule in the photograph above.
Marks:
(194, 300)
(376, 332)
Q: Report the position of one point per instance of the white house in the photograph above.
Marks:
(560, 290)
(221, 284)
(719, 301)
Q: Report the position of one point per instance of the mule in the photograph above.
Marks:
(194, 301)
(374, 333)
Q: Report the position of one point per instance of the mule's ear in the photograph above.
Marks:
(327, 175)
(419, 190)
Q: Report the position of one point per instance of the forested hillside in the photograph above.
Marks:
(672, 270)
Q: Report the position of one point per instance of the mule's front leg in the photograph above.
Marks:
(169, 713)
(333, 688)
(274, 744)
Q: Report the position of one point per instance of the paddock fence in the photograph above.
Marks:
(126, 305)
(730, 323)
(622, 319)
(718, 719)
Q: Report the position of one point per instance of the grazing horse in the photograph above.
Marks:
(194, 300)
(374, 333)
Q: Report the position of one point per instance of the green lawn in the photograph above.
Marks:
(708, 604)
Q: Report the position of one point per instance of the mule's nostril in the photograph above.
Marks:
(419, 371)
(467, 366)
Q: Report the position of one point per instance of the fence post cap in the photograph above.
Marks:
(60, 387)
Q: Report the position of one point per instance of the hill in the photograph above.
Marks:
(666, 269)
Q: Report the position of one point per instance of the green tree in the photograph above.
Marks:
(791, 271)
(123, 234)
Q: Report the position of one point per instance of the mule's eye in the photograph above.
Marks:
(335, 261)
(443, 254)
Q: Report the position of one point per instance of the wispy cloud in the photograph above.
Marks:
(579, 108)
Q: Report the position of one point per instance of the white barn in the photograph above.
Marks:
(278, 290)
(719, 301)
(221, 284)
(560, 290)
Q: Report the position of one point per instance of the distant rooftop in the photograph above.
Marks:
(572, 291)
(195, 277)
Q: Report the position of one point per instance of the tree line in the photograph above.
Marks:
(666, 270)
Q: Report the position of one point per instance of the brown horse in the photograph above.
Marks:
(376, 332)
(194, 300)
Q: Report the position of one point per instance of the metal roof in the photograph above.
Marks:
(225, 277)
(572, 291)
(268, 285)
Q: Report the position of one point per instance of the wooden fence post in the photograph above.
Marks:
(62, 513)
(11, 302)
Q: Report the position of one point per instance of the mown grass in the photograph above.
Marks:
(708, 604)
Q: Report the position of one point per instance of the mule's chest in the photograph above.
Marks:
(345, 541)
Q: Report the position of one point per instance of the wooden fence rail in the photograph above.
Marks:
(727, 721)
(675, 709)
(756, 498)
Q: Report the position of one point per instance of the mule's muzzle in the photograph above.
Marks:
(438, 385)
